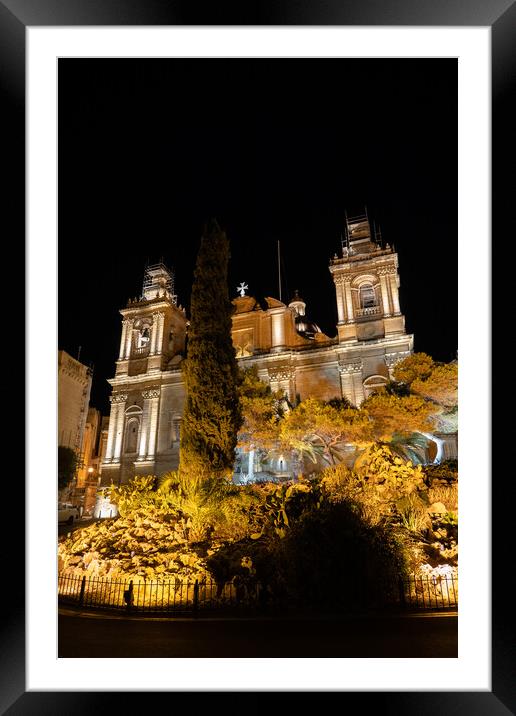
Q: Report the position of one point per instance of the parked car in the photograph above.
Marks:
(66, 512)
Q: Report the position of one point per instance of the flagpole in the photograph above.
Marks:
(279, 271)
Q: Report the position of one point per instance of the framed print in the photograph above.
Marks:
(45, 49)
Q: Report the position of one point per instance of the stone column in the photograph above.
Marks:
(111, 430)
(154, 334)
(278, 329)
(349, 300)
(123, 339)
(129, 338)
(390, 361)
(348, 383)
(358, 384)
(283, 378)
(250, 467)
(392, 358)
(160, 322)
(385, 294)
(394, 293)
(142, 448)
(153, 396)
(340, 300)
(120, 398)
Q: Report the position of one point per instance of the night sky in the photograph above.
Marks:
(275, 150)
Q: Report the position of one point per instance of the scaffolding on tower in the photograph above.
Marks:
(158, 281)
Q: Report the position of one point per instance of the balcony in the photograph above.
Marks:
(369, 311)
(142, 352)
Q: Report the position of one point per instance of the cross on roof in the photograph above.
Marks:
(242, 288)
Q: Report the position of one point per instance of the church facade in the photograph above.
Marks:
(288, 349)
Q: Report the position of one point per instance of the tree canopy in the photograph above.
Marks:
(315, 427)
(261, 411)
(416, 365)
(399, 415)
(212, 413)
(66, 466)
(436, 383)
(440, 386)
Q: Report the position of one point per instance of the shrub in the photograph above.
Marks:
(447, 494)
(338, 482)
(332, 557)
(393, 476)
(66, 466)
(230, 559)
(446, 471)
(413, 514)
(140, 493)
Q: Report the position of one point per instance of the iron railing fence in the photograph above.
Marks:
(180, 596)
(141, 595)
(432, 592)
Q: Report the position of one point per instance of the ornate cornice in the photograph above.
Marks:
(352, 367)
(285, 373)
(392, 358)
(151, 393)
(386, 270)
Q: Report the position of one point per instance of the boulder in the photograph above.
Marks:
(437, 508)
(93, 566)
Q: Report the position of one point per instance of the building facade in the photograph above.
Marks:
(84, 493)
(74, 387)
(288, 349)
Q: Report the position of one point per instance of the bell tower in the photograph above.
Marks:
(371, 327)
(152, 345)
(153, 327)
(366, 283)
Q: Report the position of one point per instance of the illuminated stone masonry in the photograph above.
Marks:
(148, 392)
(74, 386)
(289, 350)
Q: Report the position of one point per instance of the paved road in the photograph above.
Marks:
(386, 636)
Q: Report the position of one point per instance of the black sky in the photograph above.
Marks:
(276, 150)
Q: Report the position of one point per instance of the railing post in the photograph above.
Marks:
(128, 596)
(196, 598)
(81, 593)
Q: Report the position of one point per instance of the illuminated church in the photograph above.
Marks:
(288, 349)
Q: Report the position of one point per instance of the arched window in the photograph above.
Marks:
(367, 295)
(131, 435)
(374, 384)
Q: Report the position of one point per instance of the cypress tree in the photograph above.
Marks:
(212, 415)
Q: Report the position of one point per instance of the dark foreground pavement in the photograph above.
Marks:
(96, 635)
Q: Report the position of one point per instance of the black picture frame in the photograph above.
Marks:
(500, 15)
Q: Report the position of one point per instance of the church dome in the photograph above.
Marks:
(297, 305)
(306, 328)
